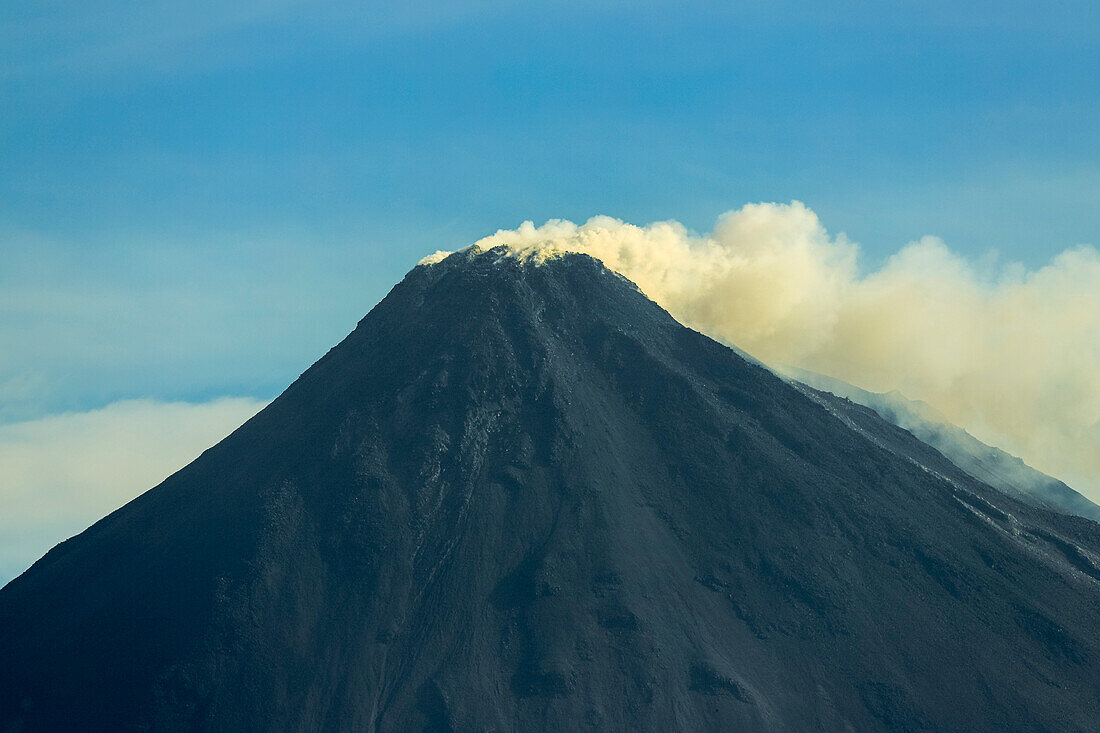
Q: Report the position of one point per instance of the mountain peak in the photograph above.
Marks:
(526, 253)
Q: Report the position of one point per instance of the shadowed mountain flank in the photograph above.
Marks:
(520, 496)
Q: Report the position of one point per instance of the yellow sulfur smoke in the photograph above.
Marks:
(1012, 356)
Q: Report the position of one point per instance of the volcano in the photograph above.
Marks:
(521, 496)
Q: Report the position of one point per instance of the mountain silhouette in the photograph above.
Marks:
(521, 496)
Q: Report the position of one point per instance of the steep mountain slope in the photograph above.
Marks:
(995, 467)
(520, 496)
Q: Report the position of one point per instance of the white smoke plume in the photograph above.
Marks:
(1011, 355)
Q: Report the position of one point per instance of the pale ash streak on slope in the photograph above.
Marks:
(1009, 354)
(985, 463)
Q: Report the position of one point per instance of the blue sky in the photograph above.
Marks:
(281, 164)
(198, 199)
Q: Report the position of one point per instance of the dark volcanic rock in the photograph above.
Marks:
(522, 497)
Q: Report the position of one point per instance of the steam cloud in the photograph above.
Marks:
(1011, 355)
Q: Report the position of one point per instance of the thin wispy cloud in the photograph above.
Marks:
(95, 39)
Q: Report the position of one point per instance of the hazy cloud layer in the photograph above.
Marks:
(1010, 354)
(59, 474)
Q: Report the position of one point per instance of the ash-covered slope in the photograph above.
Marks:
(993, 466)
(520, 496)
